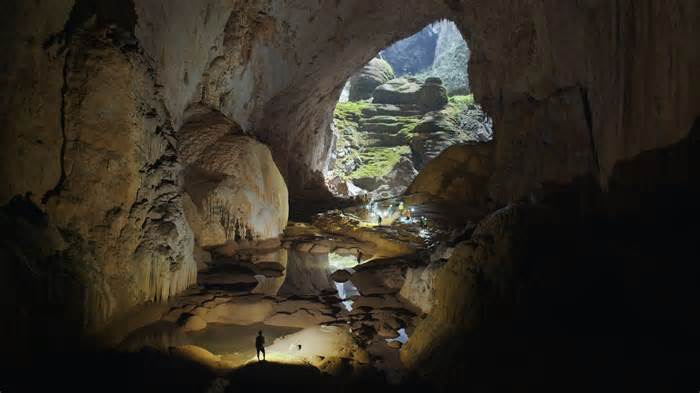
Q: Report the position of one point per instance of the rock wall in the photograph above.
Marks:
(114, 213)
(625, 87)
(233, 187)
(276, 68)
(451, 58)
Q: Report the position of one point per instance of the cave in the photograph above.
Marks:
(169, 191)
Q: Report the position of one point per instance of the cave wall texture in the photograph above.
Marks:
(95, 93)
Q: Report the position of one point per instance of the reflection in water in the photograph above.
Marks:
(236, 342)
(307, 274)
(280, 273)
(402, 338)
(345, 290)
(270, 277)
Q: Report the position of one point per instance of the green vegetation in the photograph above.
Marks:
(378, 161)
(462, 100)
(350, 111)
(406, 131)
(370, 144)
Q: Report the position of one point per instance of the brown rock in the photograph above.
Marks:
(340, 276)
(236, 189)
(372, 74)
(194, 323)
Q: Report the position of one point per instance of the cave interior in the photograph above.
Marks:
(399, 195)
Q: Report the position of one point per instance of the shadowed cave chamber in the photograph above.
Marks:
(180, 175)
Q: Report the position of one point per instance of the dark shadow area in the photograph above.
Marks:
(145, 371)
(272, 376)
(603, 293)
(150, 370)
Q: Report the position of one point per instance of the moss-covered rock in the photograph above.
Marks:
(377, 162)
(373, 74)
(430, 95)
(372, 136)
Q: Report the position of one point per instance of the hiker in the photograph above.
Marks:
(407, 214)
(260, 344)
(379, 220)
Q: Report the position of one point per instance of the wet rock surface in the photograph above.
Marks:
(322, 279)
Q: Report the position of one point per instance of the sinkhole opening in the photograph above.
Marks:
(402, 109)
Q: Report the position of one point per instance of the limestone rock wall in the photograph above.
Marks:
(574, 88)
(233, 186)
(119, 196)
(115, 207)
(28, 68)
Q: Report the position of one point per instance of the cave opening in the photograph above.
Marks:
(402, 109)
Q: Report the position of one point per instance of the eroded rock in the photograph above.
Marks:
(372, 74)
(236, 189)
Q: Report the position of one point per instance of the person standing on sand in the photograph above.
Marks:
(260, 344)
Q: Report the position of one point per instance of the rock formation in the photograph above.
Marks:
(116, 205)
(451, 58)
(372, 74)
(234, 188)
(413, 54)
(430, 95)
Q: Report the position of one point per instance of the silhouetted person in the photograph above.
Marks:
(260, 344)
(379, 220)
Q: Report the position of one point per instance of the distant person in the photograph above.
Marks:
(260, 344)
(379, 220)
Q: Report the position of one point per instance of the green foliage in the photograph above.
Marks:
(462, 100)
(378, 161)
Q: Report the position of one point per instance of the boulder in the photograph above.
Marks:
(373, 74)
(400, 177)
(460, 173)
(399, 91)
(419, 287)
(307, 274)
(340, 276)
(379, 276)
(402, 91)
(432, 95)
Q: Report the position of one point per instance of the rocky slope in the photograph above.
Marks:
(381, 143)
